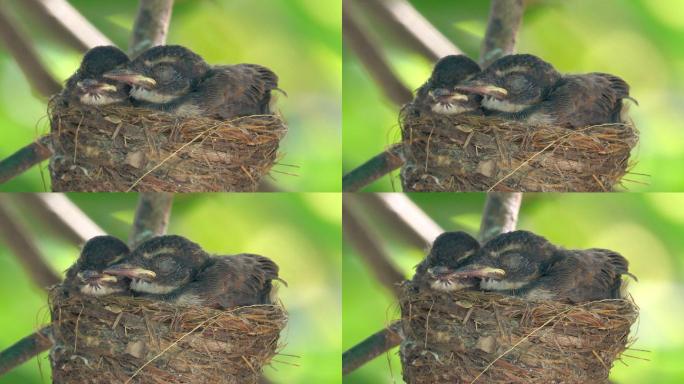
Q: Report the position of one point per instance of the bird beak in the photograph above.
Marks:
(483, 89)
(89, 276)
(130, 77)
(443, 93)
(479, 271)
(95, 86)
(131, 271)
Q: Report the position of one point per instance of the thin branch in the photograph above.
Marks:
(411, 28)
(151, 25)
(369, 248)
(373, 169)
(17, 239)
(372, 59)
(505, 17)
(151, 216)
(406, 218)
(25, 349)
(372, 347)
(500, 214)
(25, 158)
(66, 23)
(22, 50)
(62, 216)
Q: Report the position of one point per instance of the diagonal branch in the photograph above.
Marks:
(411, 28)
(66, 23)
(151, 25)
(25, 349)
(26, 56)
(20, 243)
(369, 248)
(24, 158)
(373, 169)
(372, 347)
(372, 59)
(500, 214)
(505, 17)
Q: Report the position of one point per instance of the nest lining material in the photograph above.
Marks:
(475, 336)
(117, 339)
(116, 148)
(479, 153)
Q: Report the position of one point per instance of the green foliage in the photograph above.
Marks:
(299, 39)
(637, 40)
(645, 228)
(301, 232)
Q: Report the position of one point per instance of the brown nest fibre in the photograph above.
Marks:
(123, 339)
(477, 153)
(116, 148)
(475, 336)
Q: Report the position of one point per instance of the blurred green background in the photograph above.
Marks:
(299, 39)
(638, 40)
(645, 228)
(300, 232)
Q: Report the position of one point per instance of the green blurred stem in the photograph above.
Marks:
(373, 169)
(505, 17)
(25, 158)
(20, 47)
(25, 349)
(371, 57)
(372, 347)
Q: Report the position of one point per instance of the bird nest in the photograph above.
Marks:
(116, 148)
(117, 339)
(478, 153)
(475, 336)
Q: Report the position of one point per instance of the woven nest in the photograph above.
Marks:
(475, 336)
(116, 148)
(123, 339)
(477, 153)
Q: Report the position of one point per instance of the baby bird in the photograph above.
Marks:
(449, 251)
(88, 86)
(86, 275)
(232, 281)
(161, 265)
(439, 93)
(523, 264)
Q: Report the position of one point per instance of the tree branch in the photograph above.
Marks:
(372, 59)
(500, 214)
(373, 169)
(151, 25)
(411, 28)
(24, 158)
(25, 349)
(62, 216)
(26, 56)
(505, 17)
(17, 239)
(151, 216)
(66, 23)
(369, 249)
(372, 347)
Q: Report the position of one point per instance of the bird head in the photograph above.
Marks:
(162, 73)
(89, 85)
(509, 261)
(97, 254)
(447, 74)
(449, 251)
(162, 264)
(513, 83)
